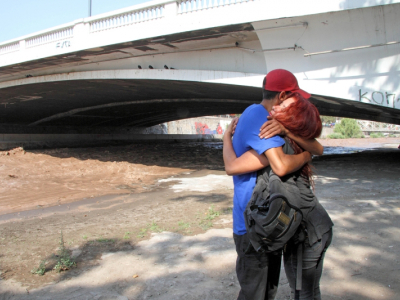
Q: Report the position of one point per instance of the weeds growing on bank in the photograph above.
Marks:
(104, 240)
(64, 259)
(41, 269)
(377, 135)
(205, 223)
(153, 227)
(184, 226)
(211, 214)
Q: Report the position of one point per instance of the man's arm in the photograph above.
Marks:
(249, 162)
(283, 164)
(273, 127)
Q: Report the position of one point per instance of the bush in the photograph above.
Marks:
(336, 136)
(377, 135)
(348, 128)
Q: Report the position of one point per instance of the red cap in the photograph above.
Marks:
(281, 80)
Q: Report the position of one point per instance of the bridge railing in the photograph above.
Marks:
(128, 18)
(153, 10)
(185, 6)
(49, 37)
(11, 47)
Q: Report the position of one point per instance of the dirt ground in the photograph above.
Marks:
(154, 221)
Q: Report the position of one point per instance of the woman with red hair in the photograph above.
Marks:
(301, 118)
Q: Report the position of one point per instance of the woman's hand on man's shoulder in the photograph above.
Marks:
(271, 128)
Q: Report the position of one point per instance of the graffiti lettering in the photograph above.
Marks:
(382, 98)
(362, 96)
(378, 98)
(64, 44)
(387, 97)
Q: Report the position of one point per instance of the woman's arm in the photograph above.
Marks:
(283, 164)
(251, 161)
(273, 127)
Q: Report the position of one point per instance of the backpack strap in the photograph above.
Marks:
(299, 274)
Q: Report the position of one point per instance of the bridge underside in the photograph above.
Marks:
(116, 103)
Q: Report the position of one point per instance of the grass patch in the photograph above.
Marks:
(103, 240)
(84, 237)
(64, 259)
(41, 269)
(127, 235)
(336, 136)
(154, 227)
(184, 226)
(376, 135)
(211, 214)
(142, 233)
(205, 224)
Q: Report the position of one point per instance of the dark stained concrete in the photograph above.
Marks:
(125, 103)
(116, 103)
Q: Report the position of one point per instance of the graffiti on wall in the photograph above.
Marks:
(202, 128)
(377, 97)
(64, 44)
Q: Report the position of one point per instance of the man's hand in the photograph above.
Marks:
(272, 127)
(232, 126)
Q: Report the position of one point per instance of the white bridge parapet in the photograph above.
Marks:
(228, 12)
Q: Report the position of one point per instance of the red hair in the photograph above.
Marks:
(302, 119)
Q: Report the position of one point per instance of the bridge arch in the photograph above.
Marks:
(116, 98)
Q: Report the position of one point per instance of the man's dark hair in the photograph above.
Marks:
(268, 95)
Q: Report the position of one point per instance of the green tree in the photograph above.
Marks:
(348, 128)
(327, 119)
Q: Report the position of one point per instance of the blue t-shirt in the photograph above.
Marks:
(246, 138)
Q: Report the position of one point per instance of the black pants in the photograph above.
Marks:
(313, 259)
(258, 273)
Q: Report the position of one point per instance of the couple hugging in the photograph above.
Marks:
(251, 144)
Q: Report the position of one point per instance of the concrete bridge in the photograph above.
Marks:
(174, 59)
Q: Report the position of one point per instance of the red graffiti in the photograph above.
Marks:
(219, 129)
(201, 128)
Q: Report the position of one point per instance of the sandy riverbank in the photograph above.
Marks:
(114, 231)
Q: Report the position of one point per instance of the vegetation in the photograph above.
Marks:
(377, 135)
(41, 269)
(153, 227)
(211, 214)
(336, 136)
(326, 119)
(105, 240)
(348, 128)
(64, 259)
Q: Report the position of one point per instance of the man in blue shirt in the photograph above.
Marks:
(258, 273)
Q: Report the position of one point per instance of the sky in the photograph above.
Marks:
(22, 17)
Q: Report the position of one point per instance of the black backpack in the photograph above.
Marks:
(272, 215)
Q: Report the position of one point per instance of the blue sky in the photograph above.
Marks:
(21, 17)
